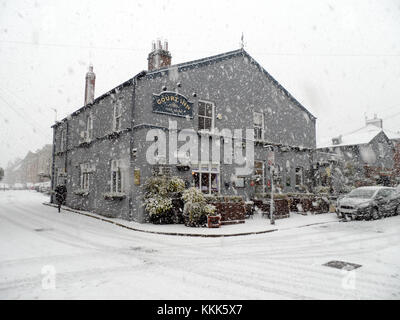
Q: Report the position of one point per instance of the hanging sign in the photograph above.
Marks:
(136, 176)
(172, 103)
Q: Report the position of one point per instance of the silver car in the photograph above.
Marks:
(364, 203)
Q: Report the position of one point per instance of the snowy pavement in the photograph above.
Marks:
(47, 255)
(254, 225)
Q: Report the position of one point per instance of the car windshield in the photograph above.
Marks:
(361, 193)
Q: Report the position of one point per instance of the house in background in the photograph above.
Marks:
(34, 168)
(366, 156)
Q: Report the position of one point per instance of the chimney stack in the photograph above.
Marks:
(159, 57)
(375, 121)
(89, 85)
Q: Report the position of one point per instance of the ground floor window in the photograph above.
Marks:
(116, 176)
(299, 176)
(206, 177)
(85, 176)
(59, 176)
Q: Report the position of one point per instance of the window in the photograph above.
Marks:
(206, 177)
(59, 176)
(299, 176)
(89, 127)
(116, 176)
(63, 141)
(117, 116)
(86, 170)
(258, 122)
(206, 116)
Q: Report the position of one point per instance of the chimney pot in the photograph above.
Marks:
(89, 85)
(160, 56)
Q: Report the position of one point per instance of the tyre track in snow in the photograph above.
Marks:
(223, 267)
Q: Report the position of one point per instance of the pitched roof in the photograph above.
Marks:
(363, 135)
(225, 56)
(195, 64)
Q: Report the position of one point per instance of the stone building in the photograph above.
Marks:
(101, 151)
(34, 168)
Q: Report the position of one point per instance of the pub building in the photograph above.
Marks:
(99, 151)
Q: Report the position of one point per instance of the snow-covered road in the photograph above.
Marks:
(47, 255)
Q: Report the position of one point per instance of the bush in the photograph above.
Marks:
(157, 205)
(158, 199)
(196, 208)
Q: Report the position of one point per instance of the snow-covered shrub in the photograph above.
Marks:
(157, 205)
(158, 201)
(209, 210)
(175, 184)
(156, 185)
(321, 189)
(193, 195)
(196, 209)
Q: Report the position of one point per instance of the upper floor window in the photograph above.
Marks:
(206, 116)
(63, 141)
(258, 122)
(86, 170)
(89, 127)
(117, 116)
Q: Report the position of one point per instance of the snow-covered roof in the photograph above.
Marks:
(392, 135)
(194, 64)
(360, 136)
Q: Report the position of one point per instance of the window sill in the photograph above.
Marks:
(85, 143)
(211, 132)
(114, 195)
(81, 192)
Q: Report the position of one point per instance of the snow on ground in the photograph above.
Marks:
(47, 255)
(255, 224)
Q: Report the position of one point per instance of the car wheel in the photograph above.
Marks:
(375, 214)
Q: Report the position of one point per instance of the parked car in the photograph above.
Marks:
(392, 208)
(367, 203)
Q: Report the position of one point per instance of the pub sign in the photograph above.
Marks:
(172, 103)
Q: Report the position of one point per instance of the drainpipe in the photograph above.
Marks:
(66, 154)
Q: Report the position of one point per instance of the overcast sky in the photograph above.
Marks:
(340, 59)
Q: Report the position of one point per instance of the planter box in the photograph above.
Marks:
(294, 204)
(281, 207)
(214, 221)
(320, 205)
(230, 211)
(249, 209)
